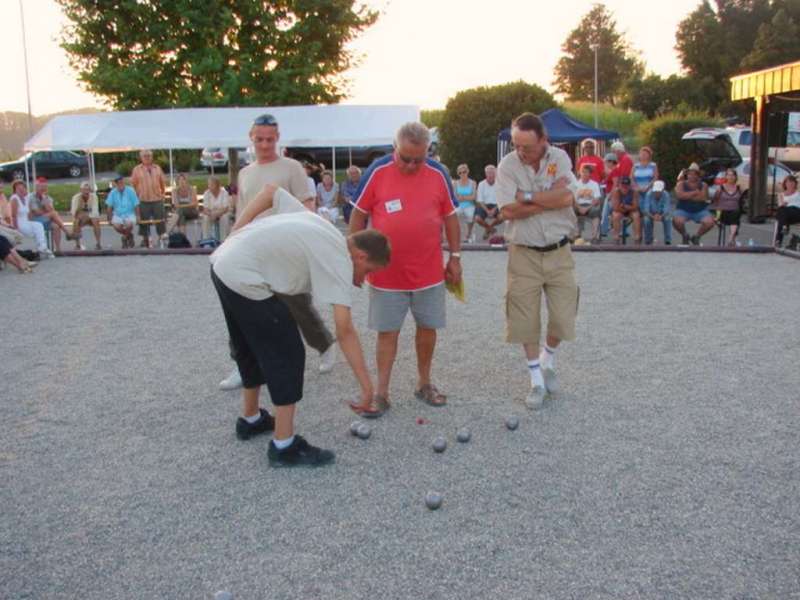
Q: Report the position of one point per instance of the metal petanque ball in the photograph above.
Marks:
(354, 428)
(463, 435)
(512, 423)
(223, 596)
(439, 444)
(433, 500)
(364, 431)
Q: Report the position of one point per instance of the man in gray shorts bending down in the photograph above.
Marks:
(408, 197)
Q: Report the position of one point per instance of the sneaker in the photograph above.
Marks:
(535, 398)
(299, 454)
(548, 366)
(685, 239)
(328, 359)
(47, 253)
(245, 430)
(232, 381)
(695, 240)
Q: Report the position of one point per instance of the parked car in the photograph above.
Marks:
(712, 149)
(217, 158)
(776, 173)
(742, 138)
(361, 156)
(58, 163)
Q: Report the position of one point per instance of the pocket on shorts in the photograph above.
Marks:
(577, 298)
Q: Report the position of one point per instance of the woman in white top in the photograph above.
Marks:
(216, 209)
(788, 212)
(328, 198)
(19, 217)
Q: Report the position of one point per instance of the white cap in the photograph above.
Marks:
(618, 146)
(658, 186)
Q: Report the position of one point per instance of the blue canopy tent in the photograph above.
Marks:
(561, 129)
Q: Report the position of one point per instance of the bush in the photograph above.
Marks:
(473, 118)
(663, 135)
(125, 167)
(609, 117)
(432, 117)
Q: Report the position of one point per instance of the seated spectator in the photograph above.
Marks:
(349, 190)
(7, 229)
(122, 204)
(42, 210)
(788, 212)
(327, 195)
(466, 194)
(692, 196)
(184, 201)
(644, 172)
(217, 208)
(312, 187)
(588, 202)
(20, 221)
(613, 174)
(728, 201)
(657, 207)
(9, 255)
(85, 211)
(487, 214)
(590, 158)
(625, 205)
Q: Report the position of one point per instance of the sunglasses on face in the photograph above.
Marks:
(410, 160)
(266, 120)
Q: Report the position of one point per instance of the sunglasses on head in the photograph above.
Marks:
(265, 120)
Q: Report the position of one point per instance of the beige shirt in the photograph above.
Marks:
(148, 182)
(282, 172)
(292, 252)
(93, 207)
(550, 226)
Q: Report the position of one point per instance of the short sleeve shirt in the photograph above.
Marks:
(220, 201)
(123, 204)
(293, 251)
(587, 192)
(90, 205)
(598, 167)
(282, 172)
(550, 226)
(486, 193)
(39, 203)
(410, 210)
(148, 181)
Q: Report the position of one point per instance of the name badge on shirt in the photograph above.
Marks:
(393, 206)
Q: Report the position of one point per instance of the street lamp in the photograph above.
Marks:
(594, 48)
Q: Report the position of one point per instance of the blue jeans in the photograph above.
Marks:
(605, 220)
(648, 228)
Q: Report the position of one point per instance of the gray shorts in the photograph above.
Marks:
(387, 310)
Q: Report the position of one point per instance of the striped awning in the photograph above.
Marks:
(775, 80)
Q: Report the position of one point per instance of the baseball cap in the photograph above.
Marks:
(625, 180)
(41, 179)
(694, 167)
(618, 146)
(118, 178)
(611, 157)
(658, 186)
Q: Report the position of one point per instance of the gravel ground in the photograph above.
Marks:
(666, 468)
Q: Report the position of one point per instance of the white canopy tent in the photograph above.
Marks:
(323, 126)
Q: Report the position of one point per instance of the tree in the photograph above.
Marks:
(654, 95)
(616, 61)
(473, 118)
(712, 42)
(778, 42)
(181, 53)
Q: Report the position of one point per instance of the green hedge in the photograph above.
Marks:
(473, 118)
(625, 123)
(663, 135)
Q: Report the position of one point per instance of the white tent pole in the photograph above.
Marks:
(27, 174)
(350, 156)
(171, 175)
(93, 171)
(333, 160)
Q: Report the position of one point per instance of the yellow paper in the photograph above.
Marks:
(457, 290)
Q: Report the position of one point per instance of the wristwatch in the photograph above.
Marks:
(527, 196)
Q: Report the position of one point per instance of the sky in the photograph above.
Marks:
(419, 52)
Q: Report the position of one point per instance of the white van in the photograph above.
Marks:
(742, 137)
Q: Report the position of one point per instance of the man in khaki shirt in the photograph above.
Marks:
(270, 168)
(85, 211)
(149, 183)
(535, 191)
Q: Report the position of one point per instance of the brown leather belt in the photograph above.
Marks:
(564, 241)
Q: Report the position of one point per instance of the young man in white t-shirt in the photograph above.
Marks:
(291, 253)
(272, 168)
(588, 203)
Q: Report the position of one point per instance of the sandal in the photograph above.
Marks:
(430, 395)
(376, 408)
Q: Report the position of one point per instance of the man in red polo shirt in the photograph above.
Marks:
(409, 198)
(623, 160)
(590, 158)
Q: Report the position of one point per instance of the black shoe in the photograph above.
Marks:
(695, 240)
(245, 430)
(299, 454)
(685, 239)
